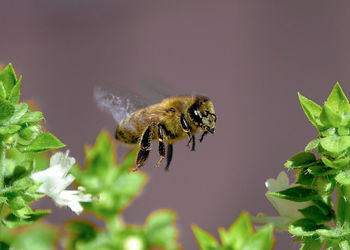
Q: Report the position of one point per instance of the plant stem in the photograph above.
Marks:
(2, 176)
(2, 166)
(343, 208)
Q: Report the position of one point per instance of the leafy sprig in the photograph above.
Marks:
(240, 235)
(116, 187)
(21, 136)
(318, 177)
(39, 236)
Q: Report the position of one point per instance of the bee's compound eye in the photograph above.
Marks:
(197, 113)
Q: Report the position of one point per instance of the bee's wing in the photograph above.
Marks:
(128, 100)
(118, 106)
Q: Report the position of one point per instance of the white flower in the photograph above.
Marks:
(288, 210)
(133, 243)
(55, 179)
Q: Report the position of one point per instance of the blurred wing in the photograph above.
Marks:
(118, 106)
(129, 99)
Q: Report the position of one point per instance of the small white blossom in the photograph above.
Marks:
(55, 179)
(288, 210)
(133, 243)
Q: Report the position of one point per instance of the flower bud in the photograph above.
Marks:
(29, 133)
(9, 140)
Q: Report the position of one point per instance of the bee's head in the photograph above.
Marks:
(202, 113)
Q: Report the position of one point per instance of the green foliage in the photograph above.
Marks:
(297, 193)
(43, 142)
(12, 221)
(316, 179)
(240, 235)
(113, 184)
(38, 237)
(301, 160)
(157, 232)
(20, 136)
(116, 187)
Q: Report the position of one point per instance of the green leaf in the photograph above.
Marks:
(330, 118)
(325, 204)
(4, 246)
(38, 237)
(312, 110)
(314, 213)
(8, 78)
(22, 182)
(324, 184)
(41, 162)
(337, 164)
(44, 142)
(6, 110)
(14, 177)
(300, 160)
(322, 171)
(343, 177)
(81, 230)
(328, 132)
(304, 228)
(204, 239)
(2, 199)
(34, 117)
(297, 193)
(333, 245)
(114, 185)
(20, 110)
(263, 239)
(344, 245)
(333, 233)
(311, 243)
(19, 207)
(6, 130)
(2, 93)
(304, 177)
(343, 131)
(313, 144)
(160, 229)
(239, 232)
(12, 221)
(337, 100)
(15, 92)
(101, 156)
(128, 161)
(335, 145)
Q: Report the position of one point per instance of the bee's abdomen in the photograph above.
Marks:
(126, 136)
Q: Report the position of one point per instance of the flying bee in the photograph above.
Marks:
(169, 121)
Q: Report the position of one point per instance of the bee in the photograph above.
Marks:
(169, 121)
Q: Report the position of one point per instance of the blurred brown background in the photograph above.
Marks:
(250, 57)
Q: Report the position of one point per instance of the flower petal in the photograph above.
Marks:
(286, 208)
(55, 179)
(278, 184)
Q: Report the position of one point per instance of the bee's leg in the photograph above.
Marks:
(161, 144)
(169, 156)
(204, 134)
(193, 140)
(145, 148)
(187, 130)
